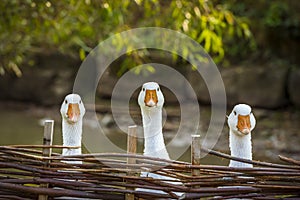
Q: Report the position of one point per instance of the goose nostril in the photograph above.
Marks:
(246, 131)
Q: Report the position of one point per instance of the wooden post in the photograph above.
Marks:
(131, 149)
(195, 153)
(48, 138)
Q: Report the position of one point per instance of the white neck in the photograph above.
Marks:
(72, 134)
(154, 140)
(240, 146)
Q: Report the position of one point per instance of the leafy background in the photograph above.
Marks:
(229, 30)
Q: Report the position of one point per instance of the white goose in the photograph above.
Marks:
(151, 102)
(241, 122)
(72, 111)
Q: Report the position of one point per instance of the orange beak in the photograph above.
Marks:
(73, 112)
(151, 98)
(243, 124)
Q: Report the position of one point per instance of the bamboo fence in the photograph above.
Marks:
(34, 172)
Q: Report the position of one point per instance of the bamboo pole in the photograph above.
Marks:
(131, 149)
(195, 153)
(48, 138)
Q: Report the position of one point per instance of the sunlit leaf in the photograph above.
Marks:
(207, 43)
(185, 52)
(14, 67)
(229, 17)
(2, 71)
(81, 54)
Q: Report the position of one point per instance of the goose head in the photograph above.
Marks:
(72, 109)
(151, 96)
(241, 120)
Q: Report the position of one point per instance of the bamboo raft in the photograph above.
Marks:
(34, 172)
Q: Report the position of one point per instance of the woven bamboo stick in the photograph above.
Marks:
(212, 152)
(289, 160)
(45, 146)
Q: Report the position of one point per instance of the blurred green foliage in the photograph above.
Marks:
(275, 26)
(71, 27)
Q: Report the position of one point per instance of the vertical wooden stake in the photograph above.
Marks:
(131, 143)
(131, 149)
(48, 138)
(195, 153)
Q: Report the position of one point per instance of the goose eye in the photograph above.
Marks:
(80, 101)
(144, 89)
(157, 89)
(234, 112)
(66, 101)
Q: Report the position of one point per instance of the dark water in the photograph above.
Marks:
(276, 133)
(25, 126)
